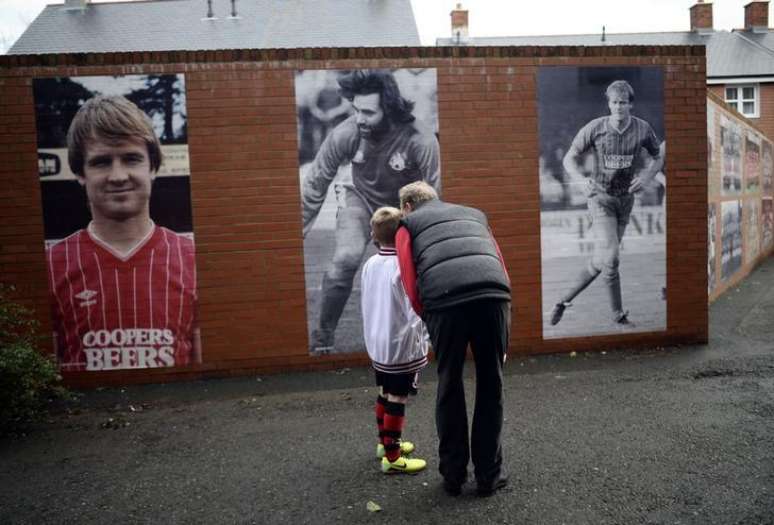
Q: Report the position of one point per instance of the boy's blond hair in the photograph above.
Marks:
(384, 224)
(110, 118)
(416, 194)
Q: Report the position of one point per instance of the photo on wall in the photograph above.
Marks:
(362, 135)
(752, 162)
(115, 186)
(752, 230)
(712, 224)
(767, 223)
(713, 182)
(767, 166)
(731, 161)
(602, 200)
(730, 238)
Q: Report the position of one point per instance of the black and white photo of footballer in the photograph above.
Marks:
(365, 134)
(615, 160)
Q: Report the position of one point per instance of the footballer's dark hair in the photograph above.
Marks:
(369, 81)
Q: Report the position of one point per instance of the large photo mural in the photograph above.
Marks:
(114, 178)
(362, 135)
(602, 200)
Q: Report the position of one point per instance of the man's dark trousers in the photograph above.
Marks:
(485, 324)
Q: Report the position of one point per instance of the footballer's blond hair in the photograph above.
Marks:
(384, 224)
(416, 194)
(111, 119)
(621, 87)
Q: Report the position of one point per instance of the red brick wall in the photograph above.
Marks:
(765, 120)
(244, 168)
(721, 109)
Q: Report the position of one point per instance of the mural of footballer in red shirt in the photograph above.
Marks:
(123, 288)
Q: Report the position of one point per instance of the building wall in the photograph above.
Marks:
(765, 122)
(245, 187)
(755, 199)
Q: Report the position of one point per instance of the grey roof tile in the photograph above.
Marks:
(160, 25)
(729, 54)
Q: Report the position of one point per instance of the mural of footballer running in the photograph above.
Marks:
(387, 149)
(616, 141)
(123, 289)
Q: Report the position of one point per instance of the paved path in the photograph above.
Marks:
(675, 435)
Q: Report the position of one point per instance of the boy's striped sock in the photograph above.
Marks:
(380, 401)
(394, 419)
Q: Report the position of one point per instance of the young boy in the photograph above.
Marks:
(396, 341)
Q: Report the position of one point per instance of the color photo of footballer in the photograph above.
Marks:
(603, 234)
(114, 175)
(363, 134)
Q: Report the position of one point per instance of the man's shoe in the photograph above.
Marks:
(452, 488)
(487, 489)
(558, 312)
(406, 448)
(403, 465)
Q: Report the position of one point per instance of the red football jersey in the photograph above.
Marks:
(113, 311)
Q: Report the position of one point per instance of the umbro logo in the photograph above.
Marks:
(86, 297)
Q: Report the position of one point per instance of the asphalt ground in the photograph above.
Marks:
(655, 436)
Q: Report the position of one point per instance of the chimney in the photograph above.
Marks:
(459, 23)
(756, 16)
(76, 5)
(701, 17)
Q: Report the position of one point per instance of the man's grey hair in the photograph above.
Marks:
(416, 194)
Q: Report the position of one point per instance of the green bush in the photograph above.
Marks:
(27, 378)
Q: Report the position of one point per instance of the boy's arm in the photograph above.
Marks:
(408, 272)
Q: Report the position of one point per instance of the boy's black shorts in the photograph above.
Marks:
(397, 384)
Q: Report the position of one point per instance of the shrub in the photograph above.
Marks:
(27, 378)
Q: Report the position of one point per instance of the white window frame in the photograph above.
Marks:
(738, 101)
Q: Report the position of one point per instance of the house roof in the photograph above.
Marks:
(729, 54)
(166, 25)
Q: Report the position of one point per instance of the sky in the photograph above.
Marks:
(495, 17)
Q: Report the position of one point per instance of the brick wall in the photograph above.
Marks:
(750, 198)
(765, 120)
(244, 170)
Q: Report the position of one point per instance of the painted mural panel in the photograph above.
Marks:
(602, 200)
(114, 177)
(362, 135)
(752, 162)
(731, 161)
(730, 238)
(712, 224)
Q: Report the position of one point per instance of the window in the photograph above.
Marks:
(743, 98)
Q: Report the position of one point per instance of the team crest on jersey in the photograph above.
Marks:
(86, 297)
(398, 161)
(618, 162)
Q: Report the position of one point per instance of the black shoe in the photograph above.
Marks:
(557, 312)
(452, 488)
(488, 489)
